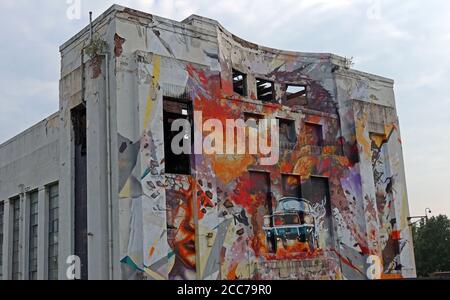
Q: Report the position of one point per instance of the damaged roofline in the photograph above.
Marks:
(193, 19)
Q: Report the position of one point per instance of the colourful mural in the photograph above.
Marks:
(335, 197)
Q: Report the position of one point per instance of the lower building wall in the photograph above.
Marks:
(29, 172)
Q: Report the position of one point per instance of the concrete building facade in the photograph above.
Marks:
(98, 180)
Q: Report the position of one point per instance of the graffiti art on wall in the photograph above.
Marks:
(312, 215)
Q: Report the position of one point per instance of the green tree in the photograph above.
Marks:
(432, 246)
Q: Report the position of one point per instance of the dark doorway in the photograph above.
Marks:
(80, 143)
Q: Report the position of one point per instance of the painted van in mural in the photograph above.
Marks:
(292, 220)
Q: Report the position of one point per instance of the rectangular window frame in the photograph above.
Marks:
(265, 95)
(15, 239)
(293, 139)
(289, 98)
(321, 141)
(53, 231)
(283, 191)
(33, 235)
(242, 91)
(171, 109)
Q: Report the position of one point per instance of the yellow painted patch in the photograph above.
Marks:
(155, 82)
(305, 166)
(378, 139)
(126, 191)
(391, 276)
(361, 134)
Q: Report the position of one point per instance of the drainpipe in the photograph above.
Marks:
(109, 167)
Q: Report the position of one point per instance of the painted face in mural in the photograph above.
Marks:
(181, 227)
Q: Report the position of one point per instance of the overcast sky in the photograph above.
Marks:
(407, 40)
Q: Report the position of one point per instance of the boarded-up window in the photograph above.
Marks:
(291, 186)
(313, 134)
(317, 190)
(288, 135)
(260, 191)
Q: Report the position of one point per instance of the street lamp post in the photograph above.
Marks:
(420, 218)
(427, 211)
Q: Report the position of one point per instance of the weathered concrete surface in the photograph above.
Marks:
(28, 162)
(208, 225)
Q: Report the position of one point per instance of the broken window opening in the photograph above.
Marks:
(239, 83)
(296, 95)
(266, 90)
(288, 135)
(175, 109)
(314, 134)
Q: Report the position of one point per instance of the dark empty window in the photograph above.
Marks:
(175, 110)
(295, 95)
(266, 90)
(53, 229)
(239, 83)
(2, 214)
(15, 239)
(288, 135)
(313, 134)
(291, 185)
(33, 237)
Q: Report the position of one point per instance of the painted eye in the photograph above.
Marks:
(309, 220)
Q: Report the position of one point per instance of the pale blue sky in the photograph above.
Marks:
(407, 40)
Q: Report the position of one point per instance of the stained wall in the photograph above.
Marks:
(209, 224)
